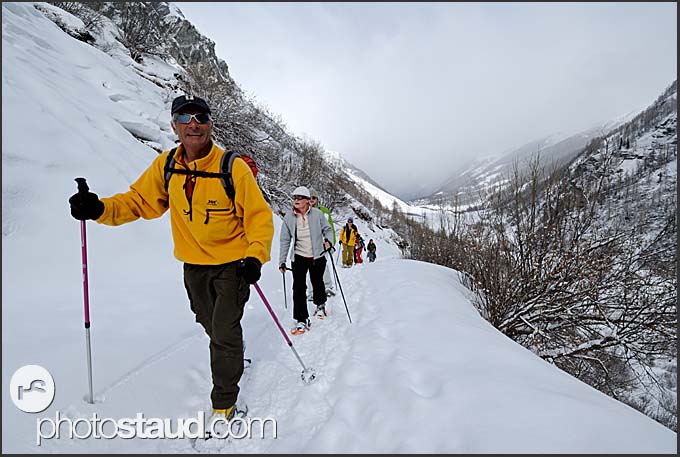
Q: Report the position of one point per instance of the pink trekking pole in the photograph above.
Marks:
(308, 374)
(82, 188)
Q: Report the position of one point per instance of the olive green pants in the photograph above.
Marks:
(218, 296)
(347, 255)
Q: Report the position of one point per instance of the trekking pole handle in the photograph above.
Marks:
(82, 185)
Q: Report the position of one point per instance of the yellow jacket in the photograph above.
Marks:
(209, 234)
(348, 236)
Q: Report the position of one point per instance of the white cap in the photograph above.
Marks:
(302, 191)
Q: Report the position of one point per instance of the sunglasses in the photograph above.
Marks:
(299, 197)
(185, 118)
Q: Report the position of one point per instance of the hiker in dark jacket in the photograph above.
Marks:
(307, 230)
(371, 250)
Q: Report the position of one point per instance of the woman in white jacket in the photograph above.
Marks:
(307, 230)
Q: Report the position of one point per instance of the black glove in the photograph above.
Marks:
(86, 205)
(282, 268)
(250, 269)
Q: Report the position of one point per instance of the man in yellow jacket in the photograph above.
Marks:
(223, 243)
(348, 239)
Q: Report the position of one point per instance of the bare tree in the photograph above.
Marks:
(141, 29)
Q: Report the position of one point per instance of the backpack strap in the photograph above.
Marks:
(169, 167)
(226, 164)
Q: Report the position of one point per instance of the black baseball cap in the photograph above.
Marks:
(184, 101)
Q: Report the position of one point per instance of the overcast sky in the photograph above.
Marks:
(387, 84)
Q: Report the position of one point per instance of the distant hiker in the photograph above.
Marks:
(223, 242)
(358, 248)
(308, 231)
(347, 239)
(371, 250)
(327, 277)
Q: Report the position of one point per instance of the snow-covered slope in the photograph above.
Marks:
(418, 370)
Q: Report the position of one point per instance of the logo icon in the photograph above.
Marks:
(212, 202)
(32, 388)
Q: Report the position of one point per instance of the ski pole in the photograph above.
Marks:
(285, 300)
(83, 188)
(330, 255)
(308, 374)
(341, 292)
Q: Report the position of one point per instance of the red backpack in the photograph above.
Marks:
(251, 163)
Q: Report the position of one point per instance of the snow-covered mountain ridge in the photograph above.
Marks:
(477, 177)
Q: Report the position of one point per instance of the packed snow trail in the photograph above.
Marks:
(417, 371)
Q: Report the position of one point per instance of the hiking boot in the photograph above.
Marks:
(223, 417)
(225, 413)
(301, 327)
(220, 428)
(320, 311)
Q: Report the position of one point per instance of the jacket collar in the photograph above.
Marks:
(202, 163)
(296, 212)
